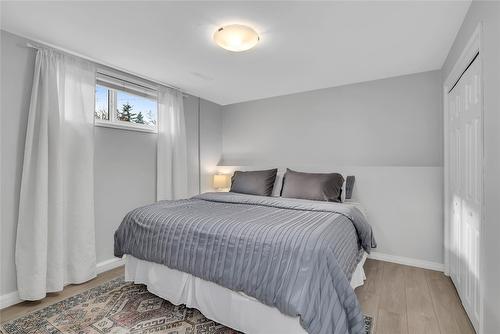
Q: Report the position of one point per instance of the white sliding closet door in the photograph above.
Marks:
(465, 186)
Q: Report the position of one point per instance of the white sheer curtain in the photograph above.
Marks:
(172, 180)
(55, 235)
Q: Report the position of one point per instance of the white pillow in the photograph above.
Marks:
(278, 183)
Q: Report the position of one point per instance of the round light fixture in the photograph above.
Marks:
(236, 37)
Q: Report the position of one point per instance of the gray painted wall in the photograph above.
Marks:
(487, 12)
(376, 129)
(192, 122)
(390, 122)
(125, 176)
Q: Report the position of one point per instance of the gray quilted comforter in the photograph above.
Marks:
(295, 255)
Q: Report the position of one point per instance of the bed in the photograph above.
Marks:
(254, 263)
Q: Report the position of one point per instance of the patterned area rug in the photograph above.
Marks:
(118, 307)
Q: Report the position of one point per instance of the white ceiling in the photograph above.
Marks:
(304, 45)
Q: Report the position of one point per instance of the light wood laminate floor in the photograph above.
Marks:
(401, 299)
(23, 308)
(410, 300)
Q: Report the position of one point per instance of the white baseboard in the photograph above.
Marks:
(109, 264)
(12, 298)
(407, 261)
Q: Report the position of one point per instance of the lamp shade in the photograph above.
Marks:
(222, 181)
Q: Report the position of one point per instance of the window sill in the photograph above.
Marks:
(130, 127)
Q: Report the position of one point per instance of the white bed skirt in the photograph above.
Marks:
(233, 309)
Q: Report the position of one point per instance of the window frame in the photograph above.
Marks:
(143, 90)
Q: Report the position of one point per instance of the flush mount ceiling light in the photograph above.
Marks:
(236, 37)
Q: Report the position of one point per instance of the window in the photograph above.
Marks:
(121, 103)
(101, 103)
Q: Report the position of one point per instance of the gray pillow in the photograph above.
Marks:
(313, 186)
(257, 182)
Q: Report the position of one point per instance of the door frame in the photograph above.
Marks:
(472, 47)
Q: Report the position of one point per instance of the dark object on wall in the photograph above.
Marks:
(349, 186)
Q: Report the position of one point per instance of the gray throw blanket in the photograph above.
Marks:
(295, 255)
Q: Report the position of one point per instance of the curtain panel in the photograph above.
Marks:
(55, 242)
(172, 179)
